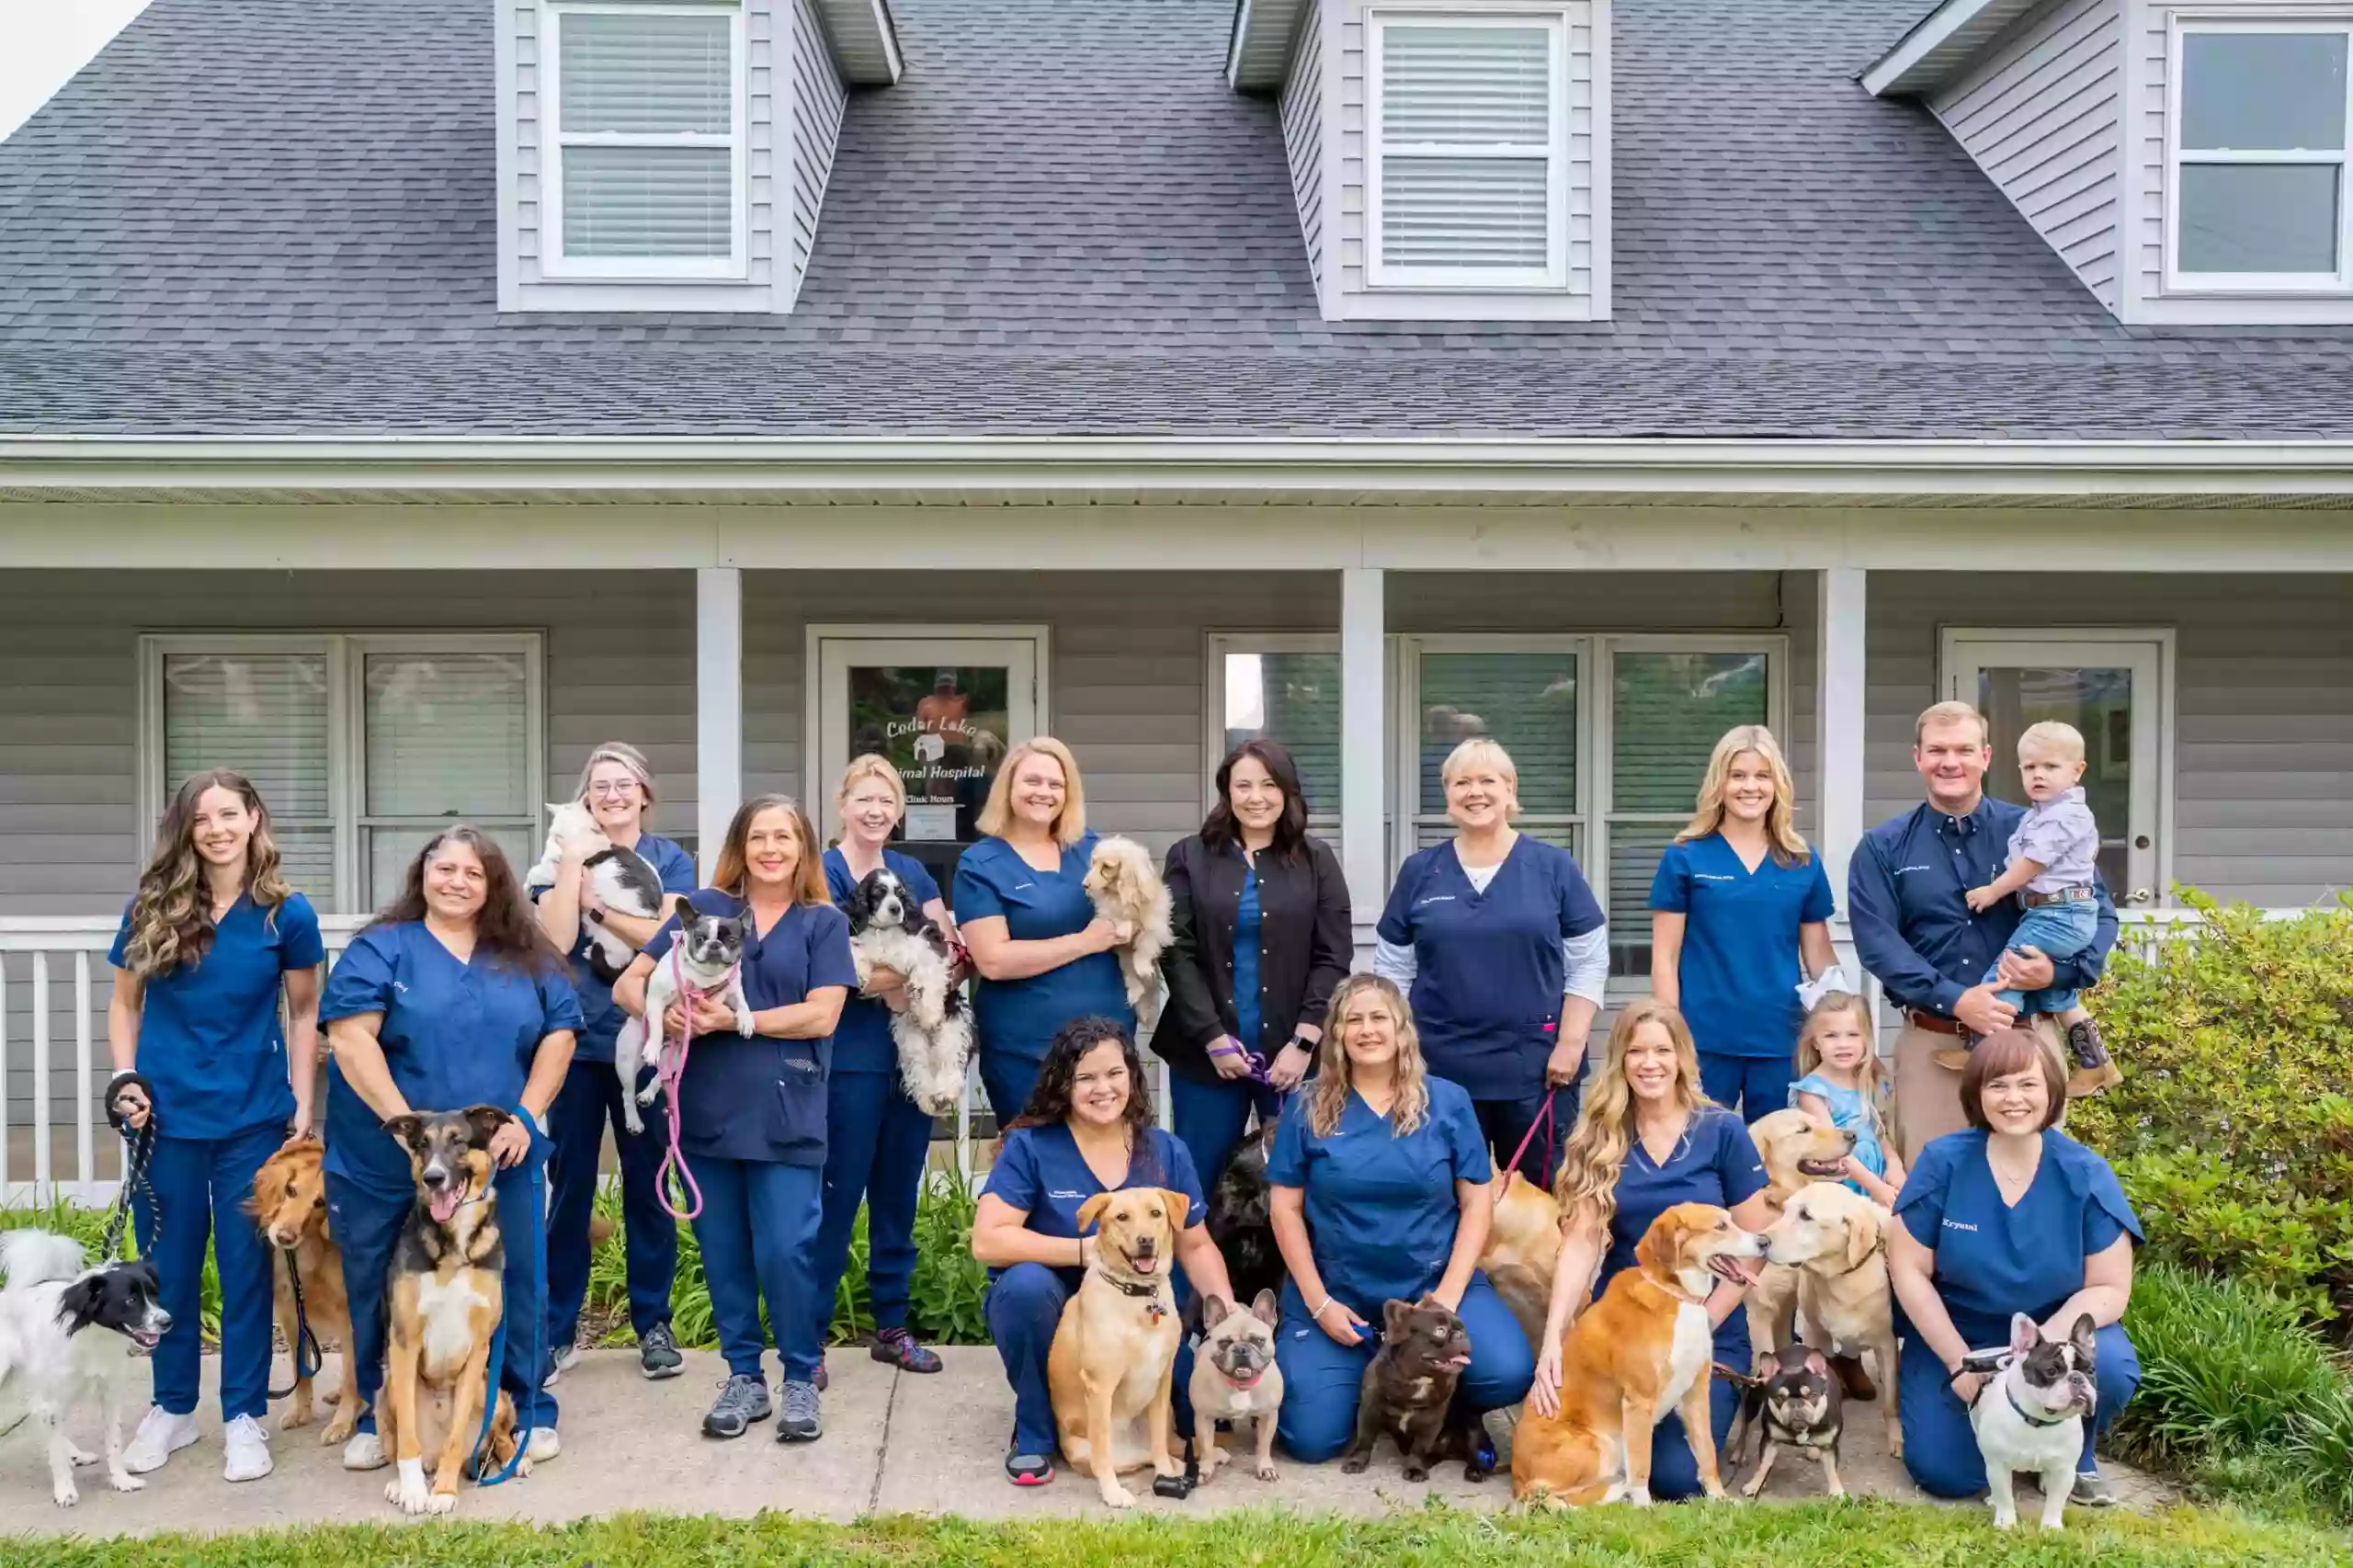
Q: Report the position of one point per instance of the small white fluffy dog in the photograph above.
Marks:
(934, 1034)
(1126, 887)
(66, 1330)
(711, 963)
(623, 880)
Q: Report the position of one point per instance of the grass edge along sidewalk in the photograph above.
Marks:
(1818, 1534)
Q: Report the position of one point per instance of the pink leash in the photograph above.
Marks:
(1543, 1122)
(669, 1067)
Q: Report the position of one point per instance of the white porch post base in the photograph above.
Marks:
(719, 706)
(1363, 749)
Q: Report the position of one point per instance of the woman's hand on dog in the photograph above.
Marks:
(888, 987)
(1966, 1386)
(1337, 1312)
(1104, 934)
(510, 1144)
(1544, 1393)
(710, 1017)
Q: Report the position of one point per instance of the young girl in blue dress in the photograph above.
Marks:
(1839, 1087)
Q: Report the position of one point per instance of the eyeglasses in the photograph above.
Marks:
(619, 792)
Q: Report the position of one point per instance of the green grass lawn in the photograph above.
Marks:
(1850, 1535)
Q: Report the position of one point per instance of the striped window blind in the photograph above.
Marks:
(1467, 143)
(646, 129)
(1292, 699)
(266, 716)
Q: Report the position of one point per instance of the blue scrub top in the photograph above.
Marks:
(1740, 964)
(1249, 928)
(600, 1017)
(209, 1035)
(1715, 1161)
(1489, 967)
(1381, 1210)
(763, 1098)
(1994, 1260)
(1019, 1018)
(454, 1035)
(1040, 1172)
(863, 1042)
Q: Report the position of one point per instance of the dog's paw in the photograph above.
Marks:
(80, 1457)
(407, 1490)
(123, 1481)
(295, 1415)
(1638, 1496)
(1356, 1464)
(441, 1502)
(1264, 1470)
(1755, 1484)
(1118, 1496)
(745, 1024)
(1415, 1472)
(338, 1431)
(65, 1496)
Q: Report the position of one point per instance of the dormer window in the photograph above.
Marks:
(644, 141)
(2259, 152)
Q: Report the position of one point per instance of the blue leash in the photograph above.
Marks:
(523, 1419)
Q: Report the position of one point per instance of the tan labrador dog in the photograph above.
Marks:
(1832, 1240)
(1796, 1154)
(1112, 1368)
(1523, 1244)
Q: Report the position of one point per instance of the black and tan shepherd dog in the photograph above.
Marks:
(442, 1298)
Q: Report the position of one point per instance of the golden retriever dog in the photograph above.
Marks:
(1523, 1244)
(289, 1207)
(1112, 1368)
(1641, 1352)
(1125, 886)
(1797, 1153)
(1832, 1240)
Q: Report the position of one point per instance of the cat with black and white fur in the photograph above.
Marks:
(2030, 1414)
(623, 880)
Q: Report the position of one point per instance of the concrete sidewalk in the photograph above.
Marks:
(894, 1443)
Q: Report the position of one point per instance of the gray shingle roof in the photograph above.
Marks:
(274, 216)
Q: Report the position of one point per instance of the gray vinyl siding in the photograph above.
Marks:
(2263, 718)
(2043, 114)
(818, 100)
(1303, 116)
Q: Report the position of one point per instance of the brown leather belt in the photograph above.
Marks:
(1934, 1023)
(2064, 895)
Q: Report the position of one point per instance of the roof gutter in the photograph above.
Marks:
(1346, 466)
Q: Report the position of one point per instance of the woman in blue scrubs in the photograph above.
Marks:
(211, 939)
(1648, 1140)
(1087, 1129)
(1497, 940)
(877, 1140)
(751, 1111)
(453, 997)
(1042, 956)
(1740, 914)
(617, 786)
(1380, 1186)
(2010, 1216)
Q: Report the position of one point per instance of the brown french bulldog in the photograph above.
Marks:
(1409, 1394)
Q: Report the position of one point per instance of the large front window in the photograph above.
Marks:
(2260, 148)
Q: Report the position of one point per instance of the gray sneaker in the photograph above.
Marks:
(2092, 1491)
(657, 1352)
(803, 1415)
(741, 1402)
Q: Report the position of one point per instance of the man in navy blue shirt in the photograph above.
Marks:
(1906, 895)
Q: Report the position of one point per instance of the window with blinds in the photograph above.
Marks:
(645, 140)
(1286, 690)
(1468, 181)
(359, 746)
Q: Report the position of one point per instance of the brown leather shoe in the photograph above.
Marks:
(1952, 1061)
(2085, 1081)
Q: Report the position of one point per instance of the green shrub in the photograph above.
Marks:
(2232, 1130)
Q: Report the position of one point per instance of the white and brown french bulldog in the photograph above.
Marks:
(1235, 1378)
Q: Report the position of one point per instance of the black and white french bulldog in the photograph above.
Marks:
(888, 930)
(709, 965)
(2031, 1415)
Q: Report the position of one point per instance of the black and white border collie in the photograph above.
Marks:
(888, 928)
(67, 1331)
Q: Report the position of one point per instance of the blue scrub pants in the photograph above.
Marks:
(1008, 1080)
(2058, 931)
(1323, 1377)
(366, 1222)
(876, 1143)
(202, 1185)
(1755, 1087)
(1023, 1307)
(758, 1218)
(1504, 1124)
(1939, 1446)
(590, 1099)
(1211, 1115)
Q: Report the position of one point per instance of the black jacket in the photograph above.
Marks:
(1304, 941)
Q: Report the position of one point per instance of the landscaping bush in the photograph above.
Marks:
(2232, 1130)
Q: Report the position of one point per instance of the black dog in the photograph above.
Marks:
(1241, 1222)
(1409, 1394)
(1795, 1400)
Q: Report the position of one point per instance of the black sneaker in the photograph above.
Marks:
(898, 1347)
(742, 1401)
(803, 1419)
(657, 1352)
(1029, 1469)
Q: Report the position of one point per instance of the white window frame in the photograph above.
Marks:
(2339, 281)
(1554, 273)
(554, 139)
(347, 663)
(1324, 815)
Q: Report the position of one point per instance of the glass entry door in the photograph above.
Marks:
(943, 709)
(2108, 686)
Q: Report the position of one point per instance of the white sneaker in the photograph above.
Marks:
(248, 1448)
(567, 1358)
(161, 1435)
(365, 1451)
(544, 1445)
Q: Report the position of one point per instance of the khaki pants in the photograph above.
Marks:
(1927, 1097)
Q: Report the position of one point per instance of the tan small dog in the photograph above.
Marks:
(1639, 1353)
(1523, 1245)
(1112, 1368)
(289, 1207)
(1235, 1379)
(1832, 1240)
(1126, 888)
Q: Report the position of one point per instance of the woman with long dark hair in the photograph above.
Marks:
(211, 939)
(1086, 1130)
(453, 996)
(1261, 923)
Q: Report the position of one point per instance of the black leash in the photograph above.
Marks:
(139, 1145)
(304, 1340)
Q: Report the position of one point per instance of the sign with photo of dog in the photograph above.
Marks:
(943, 728)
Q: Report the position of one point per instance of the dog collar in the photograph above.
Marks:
(1155, 1310)
(1675, 1289)
(2032, 1420)
(1251, 1383)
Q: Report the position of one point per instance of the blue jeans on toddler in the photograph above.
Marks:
(2061, 931)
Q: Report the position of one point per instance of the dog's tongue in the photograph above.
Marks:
(1143, 1265)
(444, 1203)
(1739, 1270)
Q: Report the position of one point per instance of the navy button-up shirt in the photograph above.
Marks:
(1912, 928)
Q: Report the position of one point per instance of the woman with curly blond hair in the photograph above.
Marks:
(1378, 1178)
(1648, 1139)
(211, 939)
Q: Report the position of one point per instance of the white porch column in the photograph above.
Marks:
(1364, 724)
(719, 706)
(1839, 706)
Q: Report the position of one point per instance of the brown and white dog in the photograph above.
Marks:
(1111, 1371)
(443, 1297)
(289, 1207)
(1639, 1353)
(1523, 1244)
(1126, 888)
(1832, 1241)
